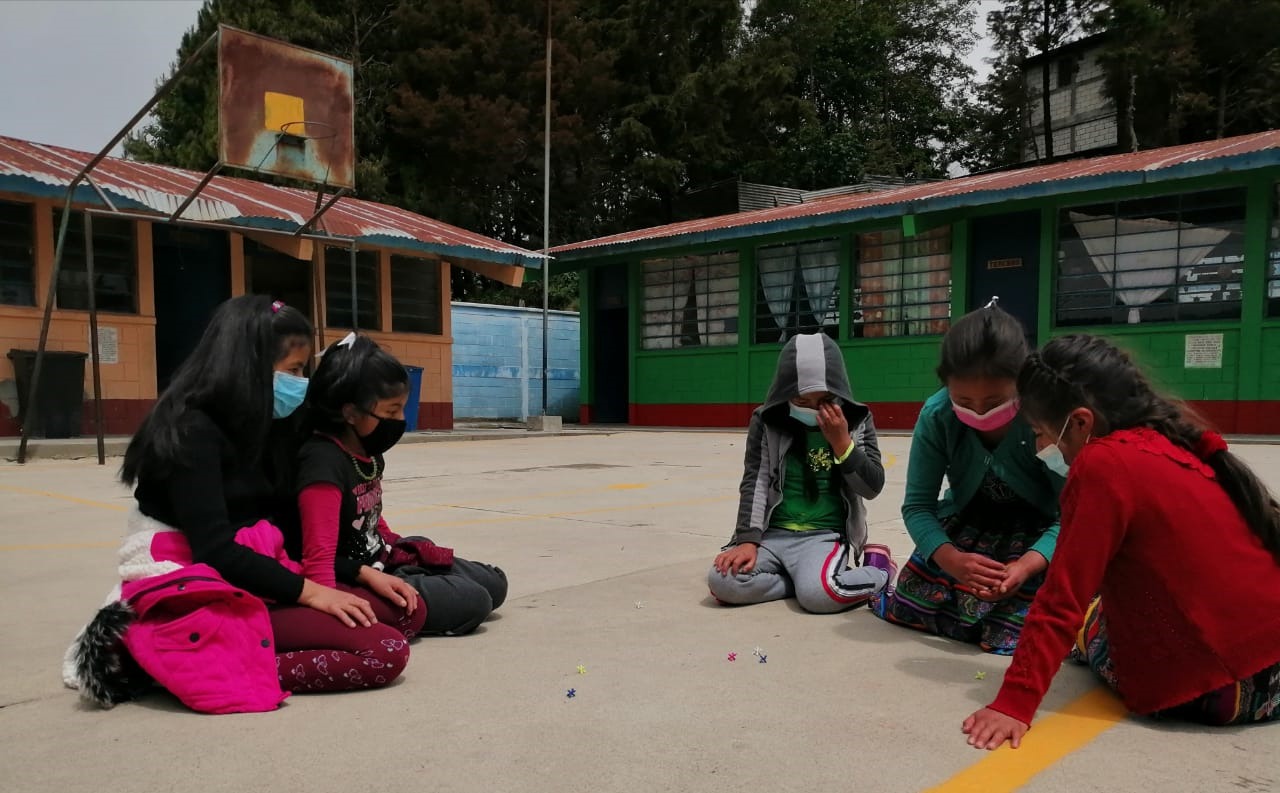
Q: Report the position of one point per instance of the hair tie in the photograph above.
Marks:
(1210, 443)
(276, 306)
(994, 303)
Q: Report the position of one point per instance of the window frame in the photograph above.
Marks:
(13, 262)
(661, 274)
(762, 308)
(910, 315)
(102, 252)
(337, 296)
(400, 295)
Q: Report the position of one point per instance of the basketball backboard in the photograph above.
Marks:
(285, 110)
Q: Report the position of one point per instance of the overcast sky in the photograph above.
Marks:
(72, 72)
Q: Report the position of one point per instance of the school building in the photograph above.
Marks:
(157, 283)
(1174, 253)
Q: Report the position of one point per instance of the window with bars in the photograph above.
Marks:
(17, 254)
(797, 290)
(415, 295)
(690, 301)
(902, 286)
(1161, 259)
(1273, 258)
(337, 289)
(115, 266)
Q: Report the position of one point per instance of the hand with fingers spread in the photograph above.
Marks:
(345, 607)
(973, 571)
(989, 729)
(738, 559)
(835, 427)
(390, 588)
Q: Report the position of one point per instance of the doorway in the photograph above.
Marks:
(1005, 260)
(192, 277)
(610, 352)
(278, 276)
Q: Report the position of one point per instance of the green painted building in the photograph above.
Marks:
(1175, 253)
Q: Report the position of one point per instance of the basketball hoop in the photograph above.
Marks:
(308, 130)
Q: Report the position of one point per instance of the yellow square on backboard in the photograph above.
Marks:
(281, 109)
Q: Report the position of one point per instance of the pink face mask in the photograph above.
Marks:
(994, 419)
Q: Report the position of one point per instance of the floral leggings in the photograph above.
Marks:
(317, 653)
(1253, 699)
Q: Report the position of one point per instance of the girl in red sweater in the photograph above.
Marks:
(1164, 525)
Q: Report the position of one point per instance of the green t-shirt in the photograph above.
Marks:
(796, 512)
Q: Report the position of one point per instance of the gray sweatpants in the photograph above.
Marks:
(811, 565)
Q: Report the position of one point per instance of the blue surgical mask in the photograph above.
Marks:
(289, 390)
(1052, 457)
(806, 416)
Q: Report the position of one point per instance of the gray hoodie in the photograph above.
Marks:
(807, 363)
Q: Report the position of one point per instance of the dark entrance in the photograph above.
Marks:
(1004, 260)
(610, 354)
(278, 276)
(192, 276)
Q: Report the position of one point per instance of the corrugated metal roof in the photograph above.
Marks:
(1247, 152)
(45, 171)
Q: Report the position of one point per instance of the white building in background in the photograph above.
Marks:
(1082, 117)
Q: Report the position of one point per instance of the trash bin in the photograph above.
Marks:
(415, 393)
(61, 394)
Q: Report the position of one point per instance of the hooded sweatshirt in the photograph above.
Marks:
(808, 363)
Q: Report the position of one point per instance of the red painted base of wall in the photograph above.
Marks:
(435, 416)
(119, 417)
(1236, 418)
(124, 416)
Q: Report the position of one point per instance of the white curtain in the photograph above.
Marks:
(820, 267)
(1140, 257)
(777, 278)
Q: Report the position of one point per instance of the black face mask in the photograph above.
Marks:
(387, 434)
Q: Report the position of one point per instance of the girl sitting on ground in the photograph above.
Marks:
(982, 550)
(1178, 535)
(811, 459)
(355, 412)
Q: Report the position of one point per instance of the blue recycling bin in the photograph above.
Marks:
(415, 394)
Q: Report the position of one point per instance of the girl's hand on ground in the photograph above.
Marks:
(347, 608)
(835, 427)
(738, 559)
(971, 570)
(988, 729)
(388, 587)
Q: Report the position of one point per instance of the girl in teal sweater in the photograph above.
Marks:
(981, 551)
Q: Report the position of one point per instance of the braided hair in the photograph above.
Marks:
(1088, 371)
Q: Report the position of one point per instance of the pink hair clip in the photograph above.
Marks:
(276, 306)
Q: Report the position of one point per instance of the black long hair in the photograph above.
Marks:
(228, 377)
(1088, 371)
(356, 372)
(988, 342)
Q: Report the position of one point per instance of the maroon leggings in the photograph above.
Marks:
(316, 652)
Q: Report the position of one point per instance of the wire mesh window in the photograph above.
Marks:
(115, 266)
(690, 301)
(1168, 258)
(797, 290)
(415, 296)
(17, 254)
(902, 285)
(337, 289)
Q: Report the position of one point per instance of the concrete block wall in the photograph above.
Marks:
(497, 362)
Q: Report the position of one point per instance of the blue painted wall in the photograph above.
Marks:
(497, 362)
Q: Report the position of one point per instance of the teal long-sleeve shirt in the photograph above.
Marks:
(943, 446)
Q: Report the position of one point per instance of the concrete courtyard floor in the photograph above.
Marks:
(606, 540)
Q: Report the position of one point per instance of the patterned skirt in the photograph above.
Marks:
(1254, 699)
(930, 600)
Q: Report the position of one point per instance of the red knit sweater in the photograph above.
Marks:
(1192, 599)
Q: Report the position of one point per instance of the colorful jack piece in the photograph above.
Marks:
(733, 656)
(571, 693)
(582, 670)
(764, 659)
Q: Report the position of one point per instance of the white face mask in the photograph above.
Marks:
(1052, 457)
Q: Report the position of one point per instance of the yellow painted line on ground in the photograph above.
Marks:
(1050, 739)
(63, 497)
(635, 486)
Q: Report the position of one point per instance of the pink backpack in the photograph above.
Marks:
(207, 642)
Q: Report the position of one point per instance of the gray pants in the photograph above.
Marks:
(457, 599)
(811, 565)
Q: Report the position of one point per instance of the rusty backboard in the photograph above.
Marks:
(284, 110)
